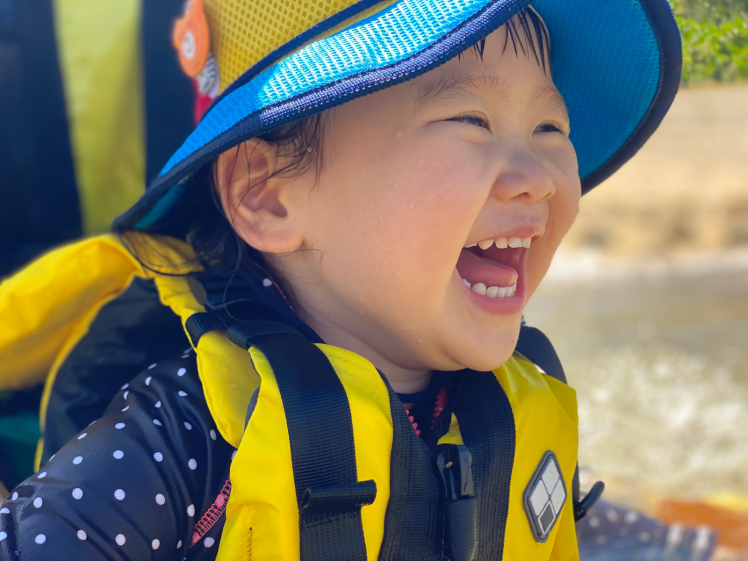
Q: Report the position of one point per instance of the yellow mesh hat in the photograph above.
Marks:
(260, 64)
(244, 33)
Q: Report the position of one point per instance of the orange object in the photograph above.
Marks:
(192, 38)
(731, 526)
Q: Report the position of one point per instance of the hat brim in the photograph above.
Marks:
(616, 63)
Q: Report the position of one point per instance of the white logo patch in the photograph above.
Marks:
(544, 497)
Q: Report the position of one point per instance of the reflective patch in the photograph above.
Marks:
(544, 497)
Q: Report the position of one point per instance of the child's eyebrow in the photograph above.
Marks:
(458, 86)
(553, 97)
(454, 86)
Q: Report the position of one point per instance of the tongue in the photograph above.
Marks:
(474, 269)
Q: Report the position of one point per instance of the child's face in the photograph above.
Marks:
(475, 150)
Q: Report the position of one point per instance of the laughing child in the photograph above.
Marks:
(349, 238)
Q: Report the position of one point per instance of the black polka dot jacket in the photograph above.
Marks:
(148, 480)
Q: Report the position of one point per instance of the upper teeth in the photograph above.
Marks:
(503, 243)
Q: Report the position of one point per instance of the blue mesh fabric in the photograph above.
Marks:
(388, 37)
(606, 64)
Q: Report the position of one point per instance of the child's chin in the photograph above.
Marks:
(487, 360)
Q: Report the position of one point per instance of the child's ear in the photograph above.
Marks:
(252, 197)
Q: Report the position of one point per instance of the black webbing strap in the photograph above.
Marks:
(537, 347)
(199, 324)
(320, 431)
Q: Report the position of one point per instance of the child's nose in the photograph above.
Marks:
(523, 178)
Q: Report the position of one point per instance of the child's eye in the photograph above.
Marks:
(549, 127)
(471, 120)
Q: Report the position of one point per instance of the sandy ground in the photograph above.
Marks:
(686, 190)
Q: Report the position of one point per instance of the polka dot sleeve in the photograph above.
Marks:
(133, 485)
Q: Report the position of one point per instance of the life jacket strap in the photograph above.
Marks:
(330, 521)
(320, 430)
(199, 324)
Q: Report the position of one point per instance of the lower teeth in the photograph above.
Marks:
(492, 291)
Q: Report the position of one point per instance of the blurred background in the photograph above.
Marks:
(646, 302)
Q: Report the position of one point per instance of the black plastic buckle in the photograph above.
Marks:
(454, 464)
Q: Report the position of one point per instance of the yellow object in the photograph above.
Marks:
(50, 305)
(99, 50)
(730, 501)
(243, 33)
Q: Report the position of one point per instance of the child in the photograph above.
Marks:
(373, 253)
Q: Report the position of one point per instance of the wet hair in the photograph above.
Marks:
(201, 219)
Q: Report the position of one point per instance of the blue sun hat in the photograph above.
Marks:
(261, 64)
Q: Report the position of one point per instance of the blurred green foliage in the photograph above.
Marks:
(715, 39)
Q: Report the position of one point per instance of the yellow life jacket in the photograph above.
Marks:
(328, 465)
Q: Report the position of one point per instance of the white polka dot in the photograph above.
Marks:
(179, 544)
(40, 539)
(160, 499)
(82, 535)
(14, 497)
(38, 502)
(119, 426)
(126, 408)
(84, 435)
(192, 464)
(125, 387)
(181, 372)
(4, 510)
(120, 539)
(158, 456)
(126, 394)
(155, 544)
(191, 510)
(148, 380)
(209, 542)
(644, 536)
(267, 283)
(212, 434)
(3, 535)
(77, 460)
(118, 454)
(42, 475)
(182, 394)
(157, 422)
(187, 425)
(119, 494)
(158, 404)
(151, 366)
(594, 522)
(77, 493)
(185, 356)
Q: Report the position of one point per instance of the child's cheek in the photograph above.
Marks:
(564, 206)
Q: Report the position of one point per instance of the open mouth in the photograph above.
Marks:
(494, 268)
